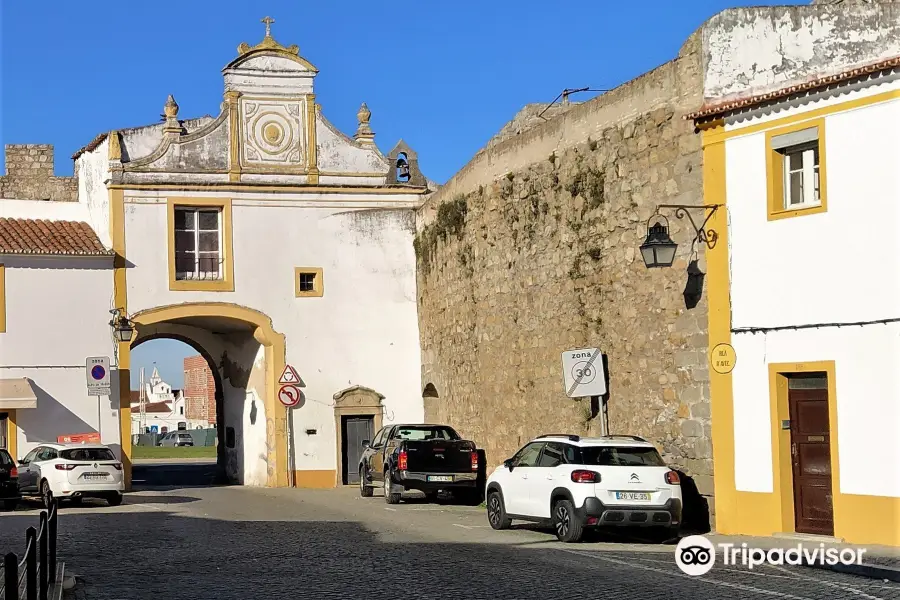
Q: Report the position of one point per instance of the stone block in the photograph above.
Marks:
(691, 429)
(700, 410)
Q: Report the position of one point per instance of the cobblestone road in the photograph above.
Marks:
(223, 543)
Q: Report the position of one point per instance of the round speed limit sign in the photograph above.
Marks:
(583, 373)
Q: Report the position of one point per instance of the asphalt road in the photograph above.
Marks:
(231, 542)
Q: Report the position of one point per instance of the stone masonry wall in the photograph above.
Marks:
(532, 249)
(29, 175)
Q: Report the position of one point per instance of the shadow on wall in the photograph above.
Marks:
(49, 420)
(695, 514)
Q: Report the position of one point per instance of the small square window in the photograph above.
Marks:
(308, 282)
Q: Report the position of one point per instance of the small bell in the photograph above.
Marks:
(403, 168)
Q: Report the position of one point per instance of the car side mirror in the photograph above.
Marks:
(23, 462)
(508, 463)
(365, 443)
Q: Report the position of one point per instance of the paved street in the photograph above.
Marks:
(231, 542)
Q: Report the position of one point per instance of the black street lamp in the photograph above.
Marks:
(123, 328)
(658, 250)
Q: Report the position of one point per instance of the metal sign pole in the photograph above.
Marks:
(99, 418)
(290, 445)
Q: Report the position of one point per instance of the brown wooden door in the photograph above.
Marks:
(811, 458)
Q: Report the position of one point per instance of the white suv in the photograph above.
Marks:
(580, 482)
(72, 472)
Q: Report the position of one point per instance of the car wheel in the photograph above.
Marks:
(568, 527)
(114, 500)
(389, 496)
(496, 512)
(10, 504)
(46, 495)
(364, 490)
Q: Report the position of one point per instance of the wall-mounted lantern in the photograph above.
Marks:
(658, 250)
(122, 326)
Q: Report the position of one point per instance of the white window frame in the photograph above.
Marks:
(809, 170)
(197, 274)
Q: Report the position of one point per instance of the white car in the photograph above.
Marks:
(72, 472)
(577, 482)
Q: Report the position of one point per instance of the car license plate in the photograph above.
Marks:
(95, 476)
(440, 478)
(639, 496)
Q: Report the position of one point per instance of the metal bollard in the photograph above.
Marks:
(31, 585)
(43, 575)
(11, 577)
(52, 540)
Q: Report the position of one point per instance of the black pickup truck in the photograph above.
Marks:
(427, 458)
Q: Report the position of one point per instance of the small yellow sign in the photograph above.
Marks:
(723, 358)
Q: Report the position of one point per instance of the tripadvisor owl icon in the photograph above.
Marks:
(695, 555)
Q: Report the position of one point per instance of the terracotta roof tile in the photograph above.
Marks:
(712, 110)
(92, 145)
(65, 238)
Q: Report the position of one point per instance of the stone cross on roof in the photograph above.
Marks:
(268, 21)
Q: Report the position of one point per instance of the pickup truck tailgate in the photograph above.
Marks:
(439, 456)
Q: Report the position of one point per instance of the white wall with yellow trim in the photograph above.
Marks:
(57, 310)
(839, 264)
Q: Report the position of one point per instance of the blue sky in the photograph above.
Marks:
(444, 76)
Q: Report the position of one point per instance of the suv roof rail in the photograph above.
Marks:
(570, 436)
(628, 437)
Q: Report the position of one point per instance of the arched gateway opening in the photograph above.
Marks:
(247, 357)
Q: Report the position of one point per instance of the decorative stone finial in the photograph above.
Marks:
(171, 107)
(364, 133)
(170, 112)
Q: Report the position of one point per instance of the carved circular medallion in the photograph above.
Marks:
(272, 133)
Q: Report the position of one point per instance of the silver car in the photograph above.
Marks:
(176, 438)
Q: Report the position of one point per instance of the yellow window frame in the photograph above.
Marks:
(775, 173)
(226, 284)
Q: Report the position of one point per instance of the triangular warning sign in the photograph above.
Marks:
(289, 375)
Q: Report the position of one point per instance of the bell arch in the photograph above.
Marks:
(213, 318)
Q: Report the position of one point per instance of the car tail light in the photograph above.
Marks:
(401, 460)
(68, 467)
(14, 473)
(672, 478)
(117, 466)
(474, 460)
(581, 476)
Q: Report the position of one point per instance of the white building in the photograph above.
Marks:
(157, 408)
(804, 287)
(55, 291)
(263, 237)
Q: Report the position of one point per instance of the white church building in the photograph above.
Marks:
(263, 237)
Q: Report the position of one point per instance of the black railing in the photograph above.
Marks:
(32, 577)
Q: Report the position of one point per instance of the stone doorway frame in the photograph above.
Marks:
(355, 401)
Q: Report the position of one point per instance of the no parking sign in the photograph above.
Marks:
(98, 383)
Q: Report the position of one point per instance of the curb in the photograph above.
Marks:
(863, 570)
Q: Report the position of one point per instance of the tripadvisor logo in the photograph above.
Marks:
(695, 555)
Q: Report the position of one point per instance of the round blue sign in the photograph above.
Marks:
(98, 372)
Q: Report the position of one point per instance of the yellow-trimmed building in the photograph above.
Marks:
(275, 245)
(804, 279)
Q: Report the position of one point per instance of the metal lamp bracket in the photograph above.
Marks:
(702, 234)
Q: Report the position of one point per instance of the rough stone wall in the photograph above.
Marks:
(531, 115)
(532, 249)
(29, 175)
